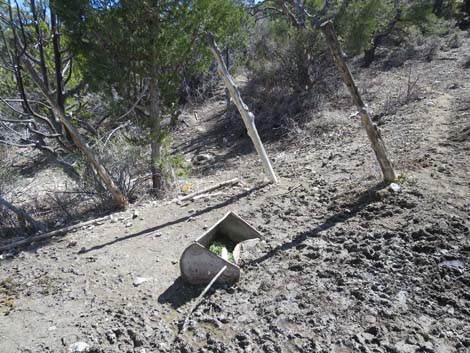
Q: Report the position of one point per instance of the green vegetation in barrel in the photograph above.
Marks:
(217, 247)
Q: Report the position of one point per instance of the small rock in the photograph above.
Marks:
(111, 336)
(128, 224)
(394, 187)
(78, 347)
(202, 158)
(174, 262)
(139, 280)
(135, 214)
(72, 244)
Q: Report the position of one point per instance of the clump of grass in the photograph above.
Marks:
(8, 291)
(402, 178)
(8, 286)
(217, 246)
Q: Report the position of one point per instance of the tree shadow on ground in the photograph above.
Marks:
(148, 231)
(364, 199)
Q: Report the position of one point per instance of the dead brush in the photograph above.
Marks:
(408, 91)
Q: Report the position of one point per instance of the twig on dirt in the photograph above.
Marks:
(230, 182)
(201, 296)
(293, 189)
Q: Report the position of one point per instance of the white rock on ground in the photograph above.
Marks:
(78, 347)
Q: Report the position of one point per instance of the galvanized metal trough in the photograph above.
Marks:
(199, 265)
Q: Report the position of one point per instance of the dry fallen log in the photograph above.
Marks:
(247, 116)
(46, 236)
(378, 145)
(230, 182)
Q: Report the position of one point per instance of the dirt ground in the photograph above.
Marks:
(346, 264)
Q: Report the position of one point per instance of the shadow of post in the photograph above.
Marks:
(364, 199)
(180, 293)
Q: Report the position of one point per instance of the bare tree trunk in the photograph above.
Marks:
(247, 116)
(373, 133)
(155, 135)
(78, 141)
(56, 100)
(21, 214)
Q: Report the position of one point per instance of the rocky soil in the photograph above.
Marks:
(346, 264)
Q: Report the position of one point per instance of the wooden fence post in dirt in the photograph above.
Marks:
(247, 116)
(373, 133)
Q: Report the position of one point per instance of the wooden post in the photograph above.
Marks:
(373, 133)
(247, 116)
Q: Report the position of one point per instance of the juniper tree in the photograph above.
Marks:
(140, 49)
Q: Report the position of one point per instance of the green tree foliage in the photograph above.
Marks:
(140, 46)
(362, 20)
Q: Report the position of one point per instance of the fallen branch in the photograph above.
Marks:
(209, 189)
(49, 235)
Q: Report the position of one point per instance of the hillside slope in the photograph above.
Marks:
(346, 264)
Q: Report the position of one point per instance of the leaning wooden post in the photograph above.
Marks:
(247, 116)
(373, 133)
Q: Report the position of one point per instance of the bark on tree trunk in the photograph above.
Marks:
(155, 135)
(247, 116)
(21, 214)
(373, 133)
(78, 141)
